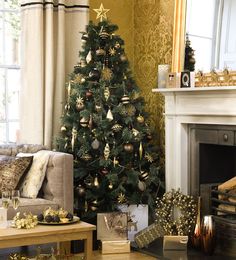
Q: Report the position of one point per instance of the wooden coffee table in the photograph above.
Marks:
(43, 234)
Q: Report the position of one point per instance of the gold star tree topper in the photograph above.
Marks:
(101, 13)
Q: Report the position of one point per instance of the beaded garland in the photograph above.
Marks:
(187, 206)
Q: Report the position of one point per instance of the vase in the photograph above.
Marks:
(196, 237)
(208, 236)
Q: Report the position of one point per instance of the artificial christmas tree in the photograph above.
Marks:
(189, 60)
(105, 127)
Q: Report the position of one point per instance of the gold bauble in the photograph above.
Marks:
(94, 205)
(123, 57)
(125, 99)
(141, 185)
(104, 35)
(84, 122)
(140, 119)
(98, 108)
(96, 182)
(79, 103)
(63, 129)
(110, 186)
(100, 52)
(143, 176)
(116, 128)
(128, 147)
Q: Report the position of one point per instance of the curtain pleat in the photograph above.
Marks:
(51, 41)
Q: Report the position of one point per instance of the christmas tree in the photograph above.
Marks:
(105, 127)
(189, 60)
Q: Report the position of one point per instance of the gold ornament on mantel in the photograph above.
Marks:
(101, 13)
(17, 256)
(28, 221)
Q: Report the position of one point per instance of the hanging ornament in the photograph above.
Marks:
(89, 93)
(140, 119)
(115, 162)
(121, 198)
(135, 132)
(84, 122)
(117, 45)
(116, 128)
(96, 182)
(131, 110)
(103, 35)
(140, 149)
(84, 38)
(67, 108)
(106, 74)
(68, 91)
(109, 115)
(94, 205)
(86, 157)
(106, 93)
(79, 79)
(128, 147)
(104, 171)
(66, 143)
(88, 180)
(89, 57)
(85, 206)
(143, 176)
(90, 124)
(74, 136)
(112, 51)
(148, 157)
(94, 75)
(110, 186)
(123, 57)
(80, 190)
(100, 52)
(79, 103)
(125, 99)
(141, 185)
(106, 151)
(135, 95)
(98, 107)
(63, 129)
(95, 144)
(83, 63)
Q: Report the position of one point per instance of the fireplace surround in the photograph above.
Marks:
(186, 109)
(200, 141)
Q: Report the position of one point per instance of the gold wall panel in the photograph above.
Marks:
(121, 13)
(153, 30)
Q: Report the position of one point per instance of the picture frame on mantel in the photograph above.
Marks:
(202, 79)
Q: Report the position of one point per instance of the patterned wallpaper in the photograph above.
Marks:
(146, 26)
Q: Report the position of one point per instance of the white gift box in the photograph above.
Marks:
(137, 218)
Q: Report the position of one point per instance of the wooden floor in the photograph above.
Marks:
(130, 256)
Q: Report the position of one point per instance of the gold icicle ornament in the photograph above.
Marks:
(106, 151)
(74, 136)
(106, 93)
(68, 91)
(140, 150)
(89, 57)
(109, 115)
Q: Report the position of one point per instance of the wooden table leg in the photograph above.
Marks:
(64, 247)
(88, 245)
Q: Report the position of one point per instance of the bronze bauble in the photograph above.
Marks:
(104, 171)
(89, 93)
(128, 147)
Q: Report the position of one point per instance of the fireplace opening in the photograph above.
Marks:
(217, 163)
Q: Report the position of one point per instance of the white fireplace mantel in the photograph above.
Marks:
(187, 106)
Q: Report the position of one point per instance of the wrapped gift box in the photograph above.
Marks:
(115, 247)
(175, 242)
(137, 218)
(112, 226)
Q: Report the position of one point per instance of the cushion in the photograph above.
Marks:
(35, 176)
(12, 171)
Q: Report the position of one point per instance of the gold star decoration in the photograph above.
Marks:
(79, 79)
(149, 157)
(101, 13)
(106, 74)
(121, 198)
(112, 51)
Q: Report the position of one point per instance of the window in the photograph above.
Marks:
(9, 70)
